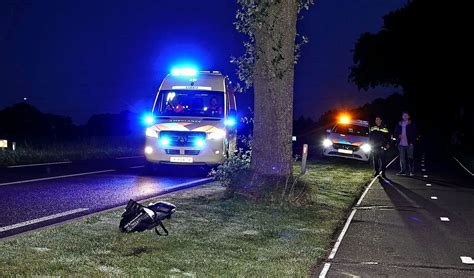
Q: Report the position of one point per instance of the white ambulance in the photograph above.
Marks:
(193, 120)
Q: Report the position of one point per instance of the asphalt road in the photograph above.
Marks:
(35, 196)
(411, 227)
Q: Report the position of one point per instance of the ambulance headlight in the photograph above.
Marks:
(216, 135)
(366, 148)
(327, 143)
(150, 132)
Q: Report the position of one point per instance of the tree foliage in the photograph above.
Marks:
(250, 16)
(421, 49)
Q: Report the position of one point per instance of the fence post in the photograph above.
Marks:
(303, 159)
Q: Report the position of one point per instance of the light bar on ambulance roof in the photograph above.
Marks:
(184, 72)
(204, 88)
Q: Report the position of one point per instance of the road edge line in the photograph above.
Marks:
(58, 177)
(338, 242)
(38, 164)
(41, 219)
(464, 167)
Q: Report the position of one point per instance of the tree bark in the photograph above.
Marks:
(273, 86)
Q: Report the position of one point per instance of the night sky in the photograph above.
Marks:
(79, 58)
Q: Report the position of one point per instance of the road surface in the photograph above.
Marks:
(410, 227)
(34, 196)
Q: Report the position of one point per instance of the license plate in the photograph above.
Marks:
(181, 159)
(345, 151)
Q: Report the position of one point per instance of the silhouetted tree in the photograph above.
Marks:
(23, 122)
(421, 49)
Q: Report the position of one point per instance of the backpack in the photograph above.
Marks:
(138, 218)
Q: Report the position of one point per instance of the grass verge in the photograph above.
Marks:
(209, 235)
(92, 148)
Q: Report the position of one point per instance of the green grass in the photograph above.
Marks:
(209, 236)
(92, 148)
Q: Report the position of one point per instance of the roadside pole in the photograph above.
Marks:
(304, 156)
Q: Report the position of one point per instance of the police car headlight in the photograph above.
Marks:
(150, 132)
(366, 148)
(327, 143)
(216, 135)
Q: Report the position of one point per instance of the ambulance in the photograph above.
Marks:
(193, 120)
(348, 139)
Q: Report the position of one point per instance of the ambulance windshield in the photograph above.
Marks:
(192, 103)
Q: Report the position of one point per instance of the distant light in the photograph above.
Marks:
(230, 122)
(25, 98)
(148, 150)
(327, 143)
(293, 138)
(184, 72)
(205, 108)
(165, 141)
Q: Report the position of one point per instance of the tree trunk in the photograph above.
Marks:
(273, 85)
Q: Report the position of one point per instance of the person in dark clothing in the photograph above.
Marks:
(405, 133)
(379, 138)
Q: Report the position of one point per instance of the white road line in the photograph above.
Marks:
(41, 219)
(434, 198)
(58, 177)
(425, 176)
(39, 164)
(459, 162)
(139, 166)
(326, 267)
(444, 219)
(428, 184)
(467, 260)
(423, 170)
(325, 270)
(341, 235)
(129, 157)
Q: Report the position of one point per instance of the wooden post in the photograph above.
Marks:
(303, 159)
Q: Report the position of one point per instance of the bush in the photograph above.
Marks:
(229, 173)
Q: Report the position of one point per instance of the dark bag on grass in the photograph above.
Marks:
(138, 218)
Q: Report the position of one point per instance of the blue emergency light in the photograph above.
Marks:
(148, 119)
(184, 72)
(230, 122)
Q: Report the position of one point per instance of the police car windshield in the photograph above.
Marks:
(192, 103)
(350, 129)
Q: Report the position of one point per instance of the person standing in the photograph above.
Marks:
(405, 133)
(379, 138)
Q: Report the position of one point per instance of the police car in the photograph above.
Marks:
(348, 139)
